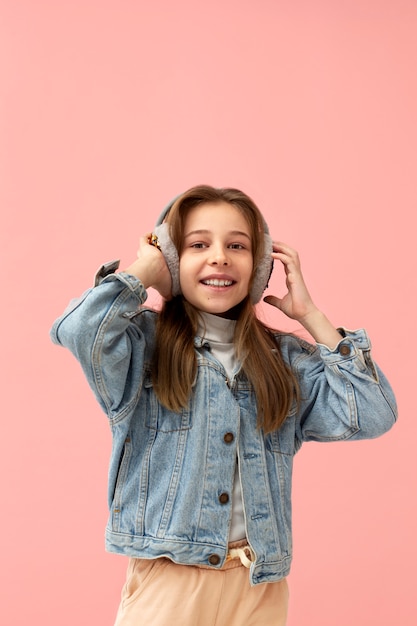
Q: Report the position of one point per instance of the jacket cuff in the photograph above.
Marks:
(353, 343)
(105, 270)
(106, 274)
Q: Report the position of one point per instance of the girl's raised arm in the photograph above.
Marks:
(150, 268)
(297, 303)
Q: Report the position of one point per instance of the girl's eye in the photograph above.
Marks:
(198, 245)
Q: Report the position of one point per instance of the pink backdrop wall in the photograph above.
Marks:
(108, 109)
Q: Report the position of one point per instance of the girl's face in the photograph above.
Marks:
(216, 260)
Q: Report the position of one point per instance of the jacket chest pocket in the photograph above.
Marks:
(160, 418)
(283, 441)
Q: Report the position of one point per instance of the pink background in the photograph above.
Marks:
(108, 109)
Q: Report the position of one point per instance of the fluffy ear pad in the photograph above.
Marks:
(171, 255)
(260, 281)
(263, 272)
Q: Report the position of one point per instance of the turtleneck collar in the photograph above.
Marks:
(216, 329)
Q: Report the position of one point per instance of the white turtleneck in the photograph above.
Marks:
(219, 332)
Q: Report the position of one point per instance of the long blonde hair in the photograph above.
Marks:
(175, 362)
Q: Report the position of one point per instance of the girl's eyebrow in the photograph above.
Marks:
(202, 231)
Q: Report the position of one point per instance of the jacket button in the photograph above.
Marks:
(214, 559)
(228, 438)
(224, 498)
(344, 349)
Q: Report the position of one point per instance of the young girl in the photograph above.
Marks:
(208, 406)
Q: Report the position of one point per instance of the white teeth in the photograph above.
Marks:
(217, 282)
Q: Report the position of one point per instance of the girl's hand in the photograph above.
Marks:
(150, 267)
(297, 303)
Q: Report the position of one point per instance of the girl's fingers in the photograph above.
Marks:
(284, 253)
(273, 300)
(280, 246)
(291, 264)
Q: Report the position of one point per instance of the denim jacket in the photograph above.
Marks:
(171, 474)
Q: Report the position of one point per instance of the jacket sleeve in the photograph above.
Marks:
(98, 330)
(344, 394)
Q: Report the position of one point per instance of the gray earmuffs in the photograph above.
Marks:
(262, 274)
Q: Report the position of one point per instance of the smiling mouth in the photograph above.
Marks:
(218, 282)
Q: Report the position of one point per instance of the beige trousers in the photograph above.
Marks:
(161, 593)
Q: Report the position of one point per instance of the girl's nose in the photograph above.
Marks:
(218, 256)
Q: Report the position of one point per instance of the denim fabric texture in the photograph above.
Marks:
(169, 472)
